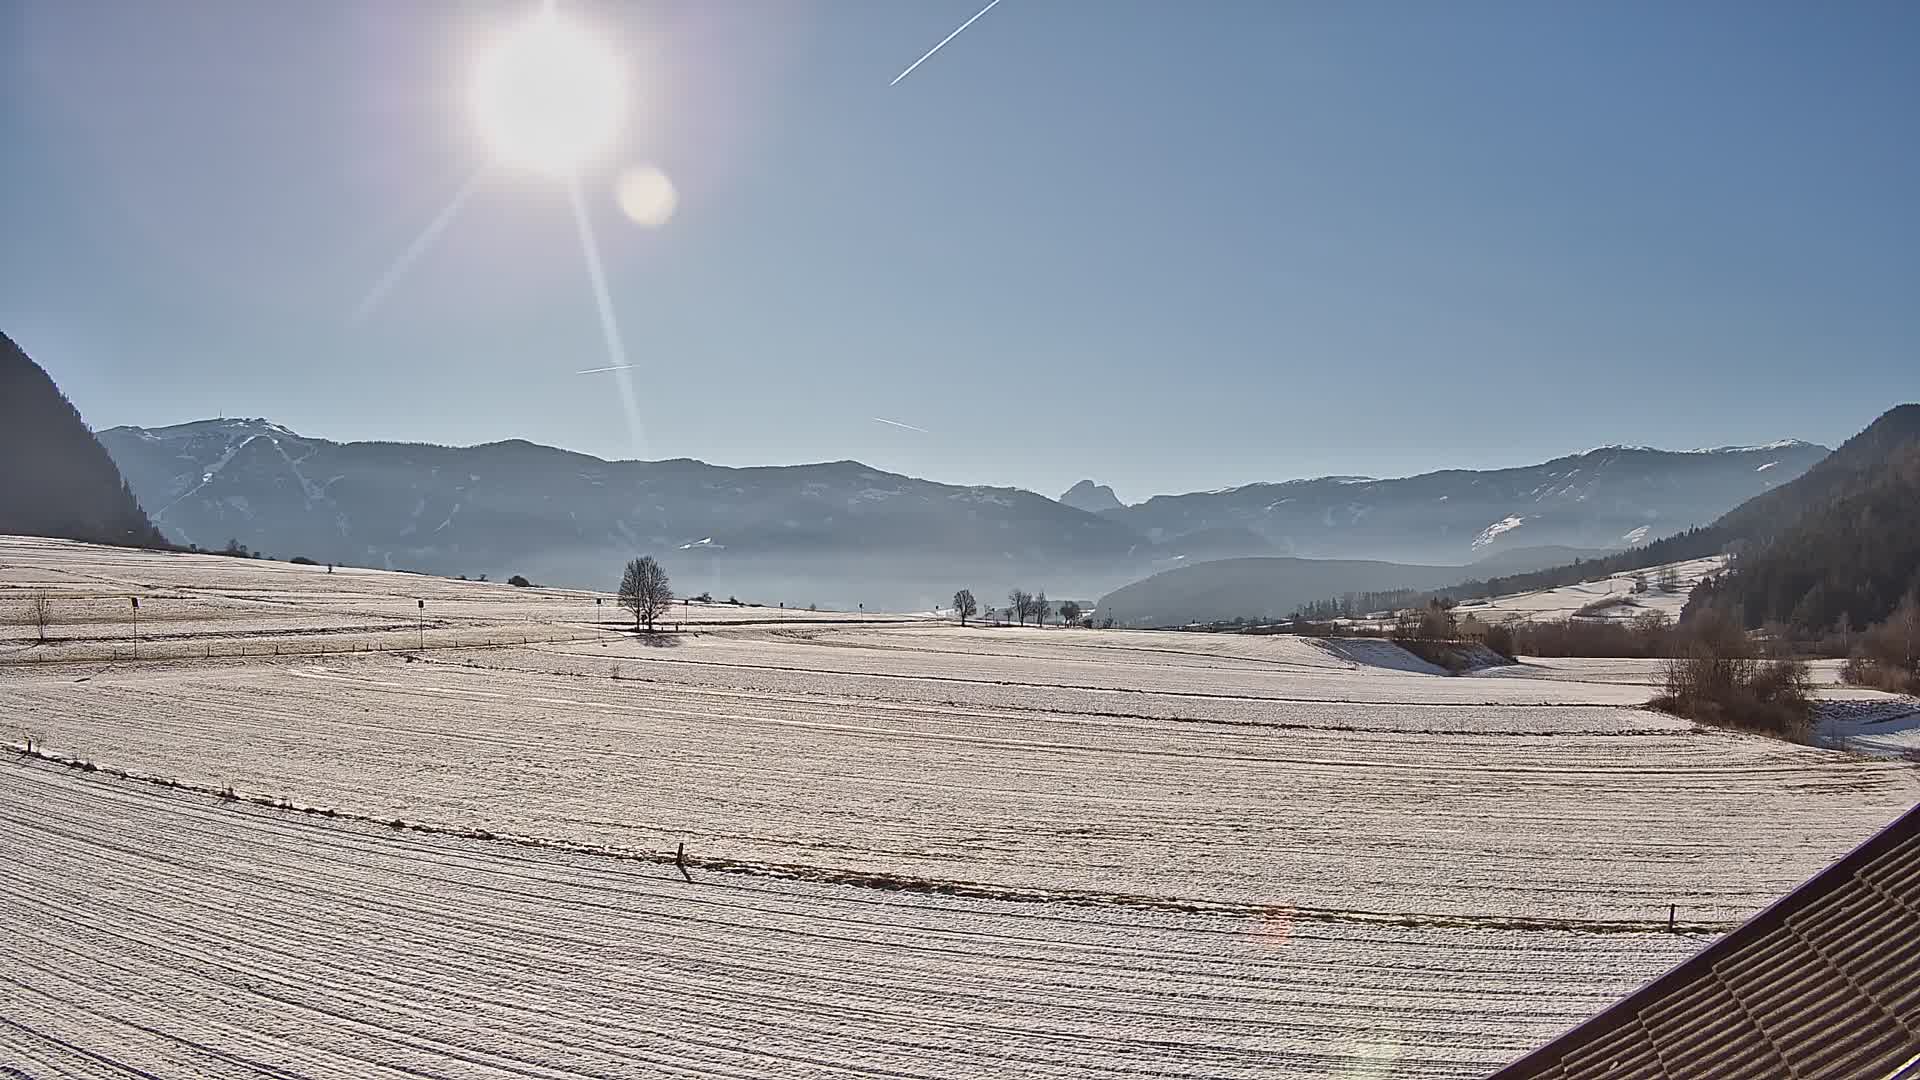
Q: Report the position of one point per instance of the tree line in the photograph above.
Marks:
(1021, 606)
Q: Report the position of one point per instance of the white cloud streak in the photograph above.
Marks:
(943, 44)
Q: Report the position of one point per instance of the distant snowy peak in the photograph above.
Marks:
(232, 428)
(1777, 444)
(1260, 485)
(1091, 497)
(1762, 448)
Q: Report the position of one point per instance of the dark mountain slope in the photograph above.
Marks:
(1860, 463)
(55, 478)
(1839, 555)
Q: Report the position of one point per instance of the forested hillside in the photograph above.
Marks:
(55, 478)
(1839, 540)
(1844, 563)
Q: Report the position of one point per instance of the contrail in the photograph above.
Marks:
(616, 350)
(418, 248)
(896, 423)
(942, 45)
(598, 370)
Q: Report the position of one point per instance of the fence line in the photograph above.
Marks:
(164, 650)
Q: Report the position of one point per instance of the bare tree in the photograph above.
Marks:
(1040, 608)
(964, 605)
(40, 611)
(645, 592)
(1668, 579)
(1020, 604)
(1070, 613)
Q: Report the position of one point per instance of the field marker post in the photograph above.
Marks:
(680, 860)
(423, 624)
(1670, 910)
(136, 626)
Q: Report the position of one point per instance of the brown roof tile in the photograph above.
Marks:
(1822, 985)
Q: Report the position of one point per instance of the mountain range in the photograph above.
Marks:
(1834, 548)
(1607, 497)
(843, 533)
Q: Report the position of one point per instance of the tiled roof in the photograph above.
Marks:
(1823, 984)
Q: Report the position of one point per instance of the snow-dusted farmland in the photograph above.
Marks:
(1609, 597)
(920, 850)
(160, 931)
(207, 607)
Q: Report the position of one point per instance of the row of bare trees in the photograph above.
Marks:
(1022, 605)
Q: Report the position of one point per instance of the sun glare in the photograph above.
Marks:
(548, 96)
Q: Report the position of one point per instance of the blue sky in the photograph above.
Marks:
(1168, 246)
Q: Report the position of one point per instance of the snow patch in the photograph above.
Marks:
(1495, 530)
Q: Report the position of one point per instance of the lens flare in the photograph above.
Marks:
(647, 196)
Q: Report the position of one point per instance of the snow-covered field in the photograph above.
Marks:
(1568, 600)
(919, 850)
(205, 606)
(165, 932)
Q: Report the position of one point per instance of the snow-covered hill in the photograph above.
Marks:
(1628, 595)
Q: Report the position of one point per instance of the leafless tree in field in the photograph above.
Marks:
(1020, 603)
(1040, 608)
(1070, 613)
(40, 610)
(644, 590)
(964, 605)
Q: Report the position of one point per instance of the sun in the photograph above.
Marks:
(548, 96)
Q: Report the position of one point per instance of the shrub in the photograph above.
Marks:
(1888, 654)
(1723, 684)
(302, 560)
(1434, 622)
(1499, 638)
(1604, 605)
(1863, 670)
(1650, 635)
(519, 582)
